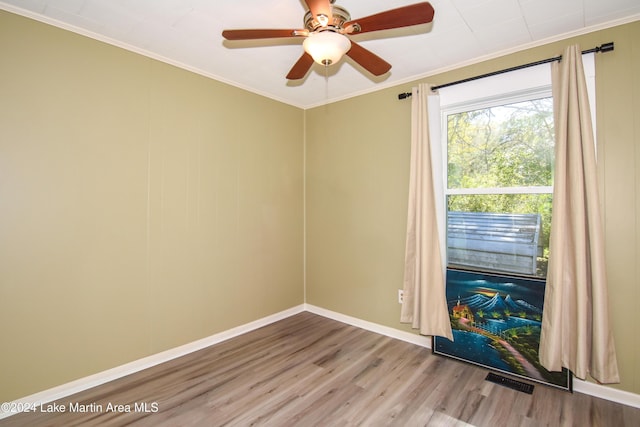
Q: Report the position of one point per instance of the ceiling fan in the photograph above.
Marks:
(326, 32)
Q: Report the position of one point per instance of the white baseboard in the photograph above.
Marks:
(64, 390)
(100, 378)
(416, 339)
(607, 393)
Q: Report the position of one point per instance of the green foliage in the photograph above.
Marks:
(505, 146)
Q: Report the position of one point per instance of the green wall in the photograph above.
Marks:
(357, 185)
(142, 206)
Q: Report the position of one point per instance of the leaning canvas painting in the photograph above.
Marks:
(496, 321)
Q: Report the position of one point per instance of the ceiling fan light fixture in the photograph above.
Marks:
(327, 47)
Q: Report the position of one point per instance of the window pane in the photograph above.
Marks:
(503, 146)
(500, 232)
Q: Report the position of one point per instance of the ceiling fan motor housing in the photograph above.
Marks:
(339, 17)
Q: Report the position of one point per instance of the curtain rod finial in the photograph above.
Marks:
(605, 47)
(404, 95)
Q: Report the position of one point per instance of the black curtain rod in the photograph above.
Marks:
(606, 47)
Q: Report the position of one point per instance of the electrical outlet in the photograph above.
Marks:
(400, 296)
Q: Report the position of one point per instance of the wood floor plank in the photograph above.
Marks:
(308, 370)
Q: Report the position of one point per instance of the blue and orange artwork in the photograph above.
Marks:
(496, 322)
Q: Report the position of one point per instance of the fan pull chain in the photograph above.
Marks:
(326, 83)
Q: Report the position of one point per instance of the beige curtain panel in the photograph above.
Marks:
(425, 305)
(575, 326)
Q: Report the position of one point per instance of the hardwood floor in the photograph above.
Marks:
(308, 370)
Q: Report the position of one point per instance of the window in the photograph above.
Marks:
(499, 163)
(498, 146)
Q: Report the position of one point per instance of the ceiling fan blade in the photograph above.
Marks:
(301, 68)
(416, 14)
(262, 34)
(320, 7)
(368, 60)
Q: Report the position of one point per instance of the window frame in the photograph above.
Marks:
(544, 92)
(540, 87)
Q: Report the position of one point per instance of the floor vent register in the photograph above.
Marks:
(511, 383)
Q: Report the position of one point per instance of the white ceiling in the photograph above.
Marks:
(187, 33)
